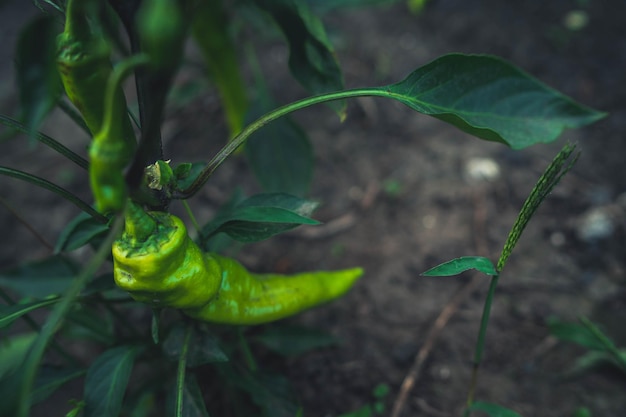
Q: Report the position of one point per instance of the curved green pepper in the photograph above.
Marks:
(90, 83)
(158, 264)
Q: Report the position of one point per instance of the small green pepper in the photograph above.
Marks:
(95, 89)
(158, 264)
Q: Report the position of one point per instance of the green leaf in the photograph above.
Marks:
(8, 314)
(210, 29)
(193, 402)
(575, 333)
(493, 410)
(490, 99)
(81, 230)
(13, 350)
(271, 393)
(311, 58)
(106, 380)
(86, 323)
(281, 156)
(262, 216)
(204, 347)
(37, 77)
(187, 173)
(41, 279)
(49, 379)
(459, 265)
(295, 340)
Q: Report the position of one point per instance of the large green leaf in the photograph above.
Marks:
(40, 279)
(49, 379)
(491, 99)
(575, 333)
(204, 347)
(311, 57)
(261, 217)
(210, 29)
(81, 230)
(106, 381)
(281, 156)
(459, 265)
(37, 77)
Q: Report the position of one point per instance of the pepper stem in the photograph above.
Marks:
(139, 224)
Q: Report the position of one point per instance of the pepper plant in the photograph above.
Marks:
(81, 67)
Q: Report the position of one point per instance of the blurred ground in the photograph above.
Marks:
(396, 183)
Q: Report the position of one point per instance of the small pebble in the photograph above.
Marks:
(595, 224)
(482, 169)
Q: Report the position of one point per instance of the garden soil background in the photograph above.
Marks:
(399, 194)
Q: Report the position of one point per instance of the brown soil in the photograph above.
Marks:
(437, 214)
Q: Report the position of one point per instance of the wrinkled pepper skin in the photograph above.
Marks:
(169, 270)
(84, 64)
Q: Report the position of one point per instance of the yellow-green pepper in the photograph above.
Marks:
(85, 67)
(157, 263)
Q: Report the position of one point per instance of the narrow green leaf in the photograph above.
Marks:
(575, 333)
(43, 183)
(365, 411)
(40, 279)
(46, 140)
(8, 314)
(49, 379)
(459, 265)
(193, 401)
(82, 230)
(311, 58)
(261, 217)
(37, 77)
(295, 340)
(490, 99)
(210, 28)
(494, 410)
(86, 323)
(106, 380)
(13, 350)
(204, 347)
(271, 393)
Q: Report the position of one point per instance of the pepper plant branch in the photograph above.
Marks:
(241, 138)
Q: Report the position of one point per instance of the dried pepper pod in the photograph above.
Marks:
(158, 264)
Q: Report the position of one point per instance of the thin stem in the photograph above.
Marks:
(20, 175)
(480, 342)
(46, 140)
(35, 355)
(195, 223)
(182, 369)
(247, 353)
(238, 140)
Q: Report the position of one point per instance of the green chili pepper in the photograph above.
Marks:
(95, 89)
(158, 264)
